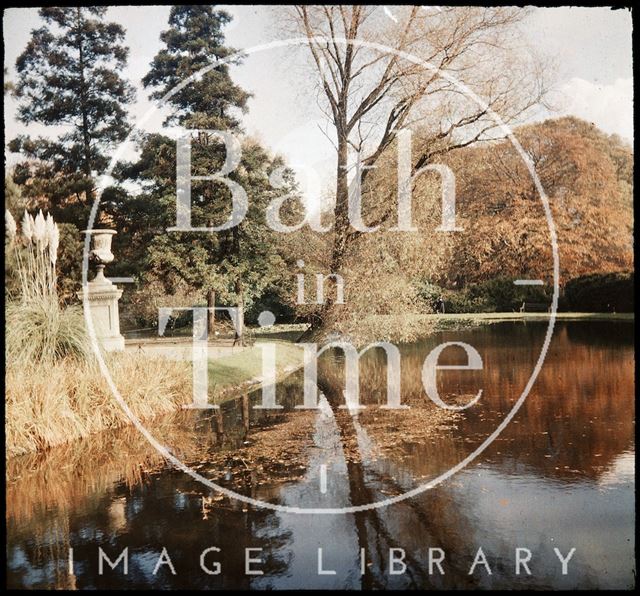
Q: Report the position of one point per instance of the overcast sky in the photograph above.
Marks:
(592, 46)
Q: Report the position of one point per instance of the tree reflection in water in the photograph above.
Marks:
(572, 440)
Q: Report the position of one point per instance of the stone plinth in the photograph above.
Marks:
(103, 307)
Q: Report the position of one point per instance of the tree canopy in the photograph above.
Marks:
(232, 267)
(69, 75)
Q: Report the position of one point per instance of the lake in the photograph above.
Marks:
(560, 476)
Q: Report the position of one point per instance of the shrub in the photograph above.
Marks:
(600, 292)
(463, 302)
(40, 330)
(429, 293)
(494, 295)
(502, 295)
(271, 300)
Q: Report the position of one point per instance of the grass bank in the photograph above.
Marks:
(410, 327)
(237, 373)
(441, 322)
(436, 322)
(511, 316)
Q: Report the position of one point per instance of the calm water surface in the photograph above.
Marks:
(561, 476)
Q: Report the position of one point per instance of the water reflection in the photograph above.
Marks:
(560, 476)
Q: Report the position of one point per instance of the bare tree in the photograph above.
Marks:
(372, 88)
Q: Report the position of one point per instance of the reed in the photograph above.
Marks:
(35, 249)
(39, 329)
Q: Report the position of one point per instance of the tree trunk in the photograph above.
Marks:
(211, 315)
(239, 339)
(235, 240)
(340, 241)
(341, 227)
(86, 134)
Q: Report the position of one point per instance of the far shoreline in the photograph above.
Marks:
(511, 316)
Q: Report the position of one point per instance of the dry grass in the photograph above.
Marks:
(52, 404)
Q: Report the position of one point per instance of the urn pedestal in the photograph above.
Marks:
(102, 295)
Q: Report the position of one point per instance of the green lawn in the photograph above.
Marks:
(238, 372)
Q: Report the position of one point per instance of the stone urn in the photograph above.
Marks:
(101, 296)
(100, 254)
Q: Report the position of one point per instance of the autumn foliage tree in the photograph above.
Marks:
(587, 176)
(372, 80)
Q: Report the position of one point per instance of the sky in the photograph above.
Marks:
(592, 47)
